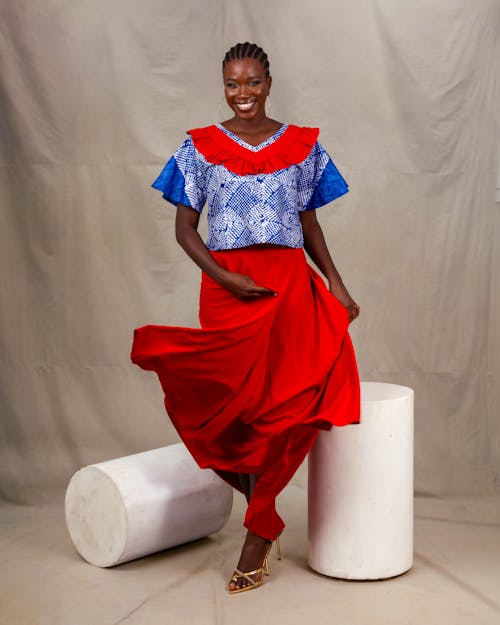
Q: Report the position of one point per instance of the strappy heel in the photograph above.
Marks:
(254, 583)
(263, 570)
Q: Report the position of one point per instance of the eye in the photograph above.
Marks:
(231, 85)
(254, 82)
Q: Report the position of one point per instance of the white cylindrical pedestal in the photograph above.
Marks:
(360, 490)
(129, 507)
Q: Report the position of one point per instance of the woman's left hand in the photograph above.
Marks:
(346, 300)
(353, 310)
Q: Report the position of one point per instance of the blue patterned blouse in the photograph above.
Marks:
(254, 193)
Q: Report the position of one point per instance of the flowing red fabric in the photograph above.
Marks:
(249, 391)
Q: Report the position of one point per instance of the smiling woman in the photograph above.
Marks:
(273, 362)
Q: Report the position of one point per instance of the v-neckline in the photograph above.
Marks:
(289, 145)
(254, 148)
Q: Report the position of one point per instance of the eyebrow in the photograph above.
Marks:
(249, 78)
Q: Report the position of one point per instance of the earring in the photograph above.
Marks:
(268, 106)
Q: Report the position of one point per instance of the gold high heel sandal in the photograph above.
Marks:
(263, 570)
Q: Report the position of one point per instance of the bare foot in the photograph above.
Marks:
(252, 557)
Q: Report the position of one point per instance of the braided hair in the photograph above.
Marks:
(247, 50)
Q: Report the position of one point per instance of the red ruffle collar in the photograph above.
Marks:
(290, 148)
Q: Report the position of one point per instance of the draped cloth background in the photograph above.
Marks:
(97, 95)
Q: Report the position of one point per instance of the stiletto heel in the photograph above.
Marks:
(278, 548)
(278, 552)
(266, 566)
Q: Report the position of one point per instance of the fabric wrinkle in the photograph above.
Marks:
(259, 375)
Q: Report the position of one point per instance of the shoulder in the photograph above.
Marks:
(307, 134)
(201, 130)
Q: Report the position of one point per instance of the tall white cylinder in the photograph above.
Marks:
(360, 490)
(132, 506)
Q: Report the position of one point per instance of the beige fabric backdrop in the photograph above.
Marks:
(96, 96)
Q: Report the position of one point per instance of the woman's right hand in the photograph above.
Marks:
(244, 287)
(186, 233)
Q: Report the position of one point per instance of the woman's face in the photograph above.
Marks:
(246, 88)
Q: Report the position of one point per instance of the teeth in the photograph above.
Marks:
(245, 106)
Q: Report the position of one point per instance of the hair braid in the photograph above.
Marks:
(247, 50)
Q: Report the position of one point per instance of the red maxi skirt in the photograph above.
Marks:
(249, 391)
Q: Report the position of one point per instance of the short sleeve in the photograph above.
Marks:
(183, 178)
(319, 181)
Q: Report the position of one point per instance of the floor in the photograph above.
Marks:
(455, 578)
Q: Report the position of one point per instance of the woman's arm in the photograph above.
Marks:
(186, 234)
(315, 246)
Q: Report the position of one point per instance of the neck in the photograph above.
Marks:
(249, 124)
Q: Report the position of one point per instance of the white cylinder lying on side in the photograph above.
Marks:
(132, 506)
(360, 490)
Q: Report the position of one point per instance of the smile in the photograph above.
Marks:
(244, 106)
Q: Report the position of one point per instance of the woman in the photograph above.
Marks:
(273, 362)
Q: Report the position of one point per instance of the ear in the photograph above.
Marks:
(269, 81)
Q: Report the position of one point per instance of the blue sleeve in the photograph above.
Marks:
(182, 179)
(320, 182)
